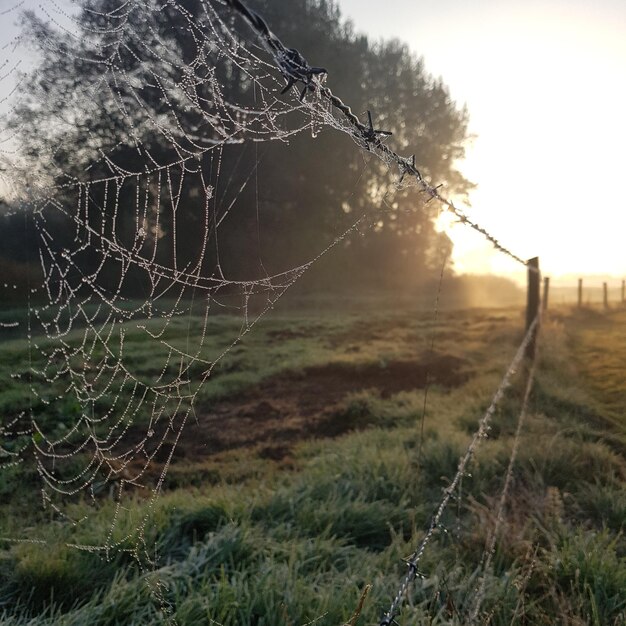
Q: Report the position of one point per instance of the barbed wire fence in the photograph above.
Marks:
(482, 432)
(316, 96)
(295, 69)
(493, 535)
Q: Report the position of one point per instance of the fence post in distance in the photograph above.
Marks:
(580, 292)
(605, 289)
(532, 303)
(623, 291)
(546, 291)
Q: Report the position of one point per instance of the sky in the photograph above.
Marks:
(545, 86)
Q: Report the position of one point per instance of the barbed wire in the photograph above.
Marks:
(480, 434)
(490, 544)
(295, 69)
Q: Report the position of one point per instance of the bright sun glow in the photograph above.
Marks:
(545, 92)
(547, 161)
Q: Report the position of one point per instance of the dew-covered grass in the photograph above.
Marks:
(241, 539)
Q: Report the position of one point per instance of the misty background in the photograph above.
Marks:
(303, 194)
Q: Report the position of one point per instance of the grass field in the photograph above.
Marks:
(306, 477)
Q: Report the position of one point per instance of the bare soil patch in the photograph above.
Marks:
(282, 410)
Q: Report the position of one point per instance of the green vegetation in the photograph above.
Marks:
(287, 527)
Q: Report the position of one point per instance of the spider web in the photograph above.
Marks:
(114, 285)
(114, 290)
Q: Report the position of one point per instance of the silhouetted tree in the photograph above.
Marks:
(308, 191)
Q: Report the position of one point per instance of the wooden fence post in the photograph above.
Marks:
(546, 291)
(580, 292)
(532, 303)
(623, 291)
(605, 288)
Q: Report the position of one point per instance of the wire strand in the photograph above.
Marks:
(480, 434)
(370, 139)
(490, 544)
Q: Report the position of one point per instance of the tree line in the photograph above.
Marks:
(303, 192)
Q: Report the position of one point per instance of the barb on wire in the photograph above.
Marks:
(407, 166)
(479, 435)
(293, 66)
(295, 69)
(372, 134)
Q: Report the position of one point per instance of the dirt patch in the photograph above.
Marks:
(338, 379)
(284, 409)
